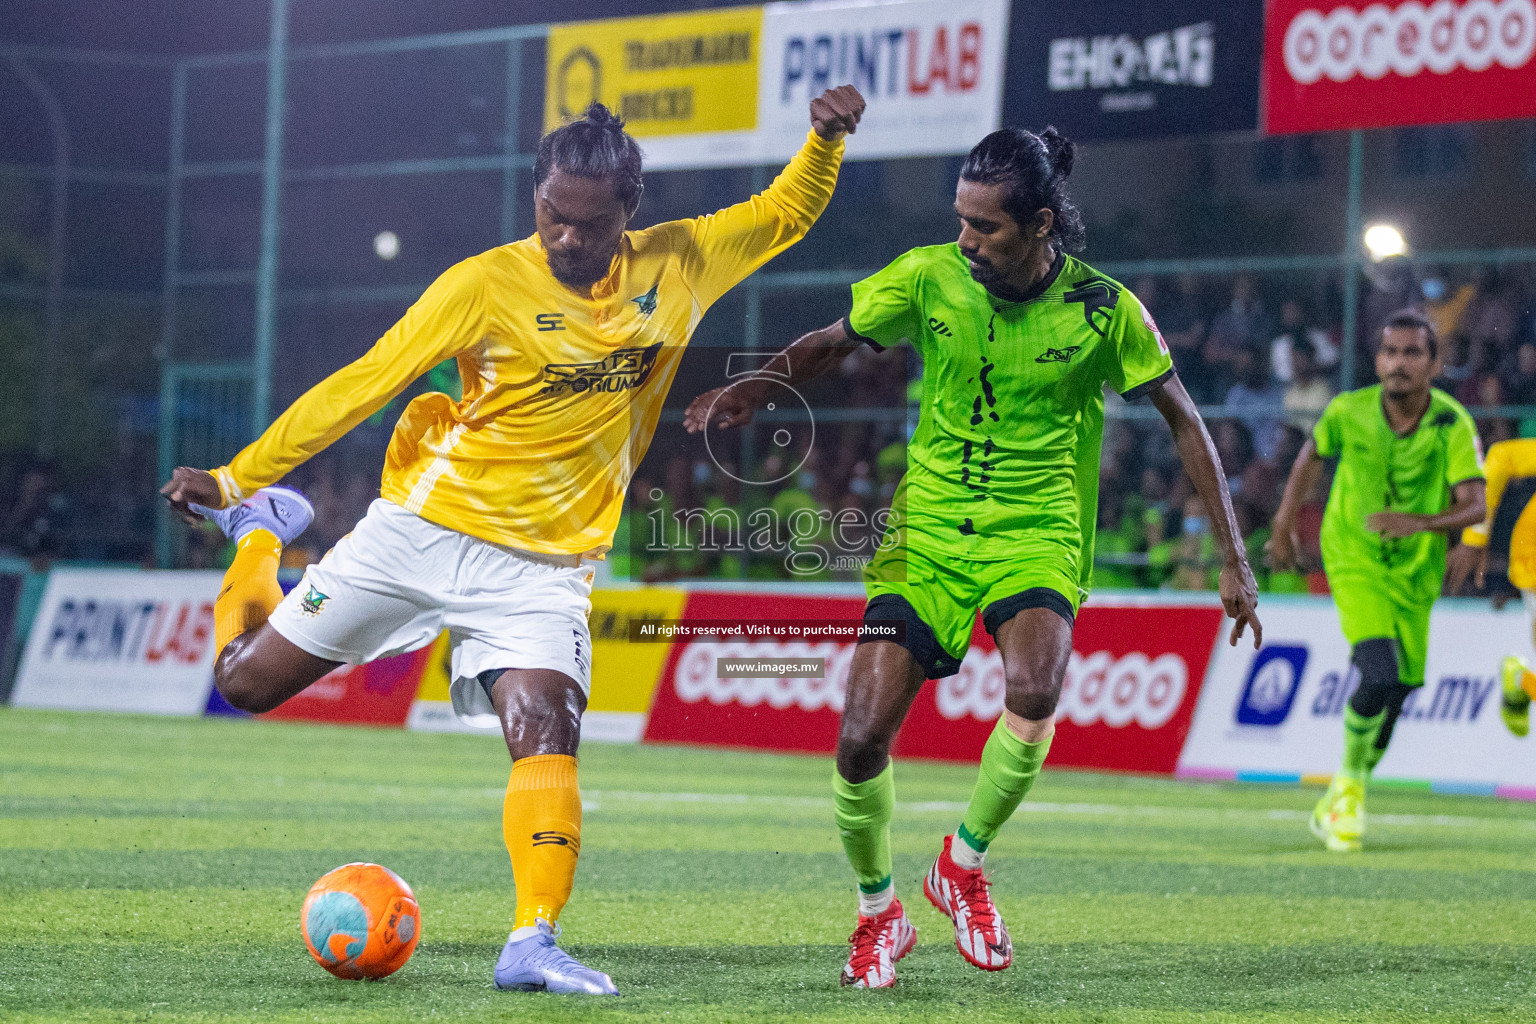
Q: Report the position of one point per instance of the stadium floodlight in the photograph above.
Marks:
(1384, 241)
(386, 245)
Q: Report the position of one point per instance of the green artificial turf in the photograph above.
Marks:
(152, 869)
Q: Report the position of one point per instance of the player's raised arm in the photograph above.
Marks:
(806, 357)
(1239, 593)
(447, 319)
(731, 244)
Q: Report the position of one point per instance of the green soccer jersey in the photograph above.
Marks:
(1006, 453)
(1381, 471)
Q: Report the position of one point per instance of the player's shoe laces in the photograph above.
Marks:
(964, 897)
(878, 942)
(1515, 708)
(282, 511)
(536, 964)
(1339, 817)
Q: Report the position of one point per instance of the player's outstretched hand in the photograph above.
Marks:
(730, 406)
(192, 487)
(1464, 561)
(1284, 550)
(1240, 597)
(836, 112)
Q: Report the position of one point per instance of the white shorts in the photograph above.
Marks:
(397, 581)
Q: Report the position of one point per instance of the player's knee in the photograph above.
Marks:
(1032, 694)
(242, 683)
(862, 754)
(1376, 661)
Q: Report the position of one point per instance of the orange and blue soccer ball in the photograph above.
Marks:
(361, 921)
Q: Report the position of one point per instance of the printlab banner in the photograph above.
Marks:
(1126, 69)
(1280, 710)
(733, 87)
(121, 640)
(1331, 64)
(931, 71)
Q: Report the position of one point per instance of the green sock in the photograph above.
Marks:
(863, 811)
(1360, 753)
(1008, 768)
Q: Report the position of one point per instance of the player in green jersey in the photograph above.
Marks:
(997, 509)
(1409, 472)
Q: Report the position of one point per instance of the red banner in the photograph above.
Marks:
(378, 693)
(1129, 695)
(1337, 64)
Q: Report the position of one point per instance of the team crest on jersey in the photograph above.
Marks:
(1151, 325)
(313, 601)
(1098, 296)
(1058, 355)
(623, 370)
(646, 302)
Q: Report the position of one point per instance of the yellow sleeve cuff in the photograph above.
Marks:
(1475, 536)
(228, 489)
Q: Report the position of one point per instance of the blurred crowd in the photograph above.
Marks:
(1267, 352)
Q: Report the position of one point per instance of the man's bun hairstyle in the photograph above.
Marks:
(593, 146)
(1035, 168)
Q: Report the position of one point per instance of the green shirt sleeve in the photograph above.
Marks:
(884, 304)
(1325, 435)
(1463, 451)
(1138, 356)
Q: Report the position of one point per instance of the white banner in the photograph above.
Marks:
(1279, 711)
(931, 71)
(121, 640)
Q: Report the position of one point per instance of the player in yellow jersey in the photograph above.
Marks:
(1509, 530)
(493, 505)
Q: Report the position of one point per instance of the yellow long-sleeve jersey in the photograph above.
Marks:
(1511, 519)
(562, 391)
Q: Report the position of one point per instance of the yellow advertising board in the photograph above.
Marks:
(675, 74)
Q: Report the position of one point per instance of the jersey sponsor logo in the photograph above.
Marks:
(313, 601)
(938, 326)
(1059, 355)
(1097, 688)
(647, 302)
(553, 838)
(624, 370)
(550, 321)
(1409, 39)
(1273, 681)
(1099, 295)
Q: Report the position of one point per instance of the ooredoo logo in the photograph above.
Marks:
(1099, 687)
(697, 677)
(1409, 39)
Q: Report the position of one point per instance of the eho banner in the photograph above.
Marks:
(685, 84)
(121, 640)
(931, 72)
(1334, 64)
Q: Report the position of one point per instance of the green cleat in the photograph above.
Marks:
(1339, 817)
(1515, 707)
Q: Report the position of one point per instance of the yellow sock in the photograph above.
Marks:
(1528, 683)
(250, 589)
(541, 821)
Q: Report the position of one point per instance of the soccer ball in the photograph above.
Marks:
(360, 921)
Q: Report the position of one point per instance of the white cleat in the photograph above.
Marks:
(536, 964)
(281, 511)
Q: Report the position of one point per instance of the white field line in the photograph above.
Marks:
(594, 799)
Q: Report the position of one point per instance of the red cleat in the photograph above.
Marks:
(963, 897)
(878, 942)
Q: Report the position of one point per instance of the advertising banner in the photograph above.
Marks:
(1278, 713)
(121, 640)
(1125, 69)
(930, 70)
(1130, 691)
(686, 84)
(1334, 64)
(377, 693)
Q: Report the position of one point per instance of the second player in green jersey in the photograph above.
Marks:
(996, 511)
(1408, 473)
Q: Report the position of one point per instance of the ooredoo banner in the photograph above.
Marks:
(930, 70)
(1278, 712)
(121, 640)
(1131, 687)
(1334, 64)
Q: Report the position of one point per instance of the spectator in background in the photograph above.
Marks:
(1241, 325)
(1310, 390)
(32, 523)
(1392, 288)
(1257, 401)
(1442, 305)
(1182, 320)
(1294, 326)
